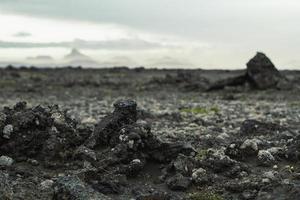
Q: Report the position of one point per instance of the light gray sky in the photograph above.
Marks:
(156, 33)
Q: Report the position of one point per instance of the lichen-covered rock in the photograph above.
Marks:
(71, 187)
(35, 134)
(7, 131)
(265, 158)
(6, 161)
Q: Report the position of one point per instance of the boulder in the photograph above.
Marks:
(262, 74)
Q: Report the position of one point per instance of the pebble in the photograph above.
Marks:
(46, 184)
(6, 161)
(7, 131)
(265, 158)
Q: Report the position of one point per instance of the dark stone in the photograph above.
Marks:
(183, 164)
(279, 192)
(45, 134)
(108, 130)
(110, 184)
(71, 187)
(229, 82)
(178, 182)
(262, 73)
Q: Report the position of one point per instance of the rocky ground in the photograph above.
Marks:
(150, 134)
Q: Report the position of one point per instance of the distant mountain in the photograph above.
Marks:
(75, 57)
(40, 58)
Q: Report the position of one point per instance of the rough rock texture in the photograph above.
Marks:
(71, 187)
(262, 73)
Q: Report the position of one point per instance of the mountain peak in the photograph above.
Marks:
(75, 53)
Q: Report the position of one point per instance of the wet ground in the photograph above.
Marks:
(244, 143)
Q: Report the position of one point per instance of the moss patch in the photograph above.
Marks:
(201, 154)
(206, 195)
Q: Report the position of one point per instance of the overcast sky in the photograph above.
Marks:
(167, 33)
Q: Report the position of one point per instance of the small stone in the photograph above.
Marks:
(200, 176)
(178, 182)
(58, 118)
(7, 131)
(33, 162)
(85, 153)
(89, 120)
(6, 161)
(270, 175)
(249, 147)
(265, 158)
(46, 184)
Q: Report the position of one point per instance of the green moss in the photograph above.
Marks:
(5, 83)
(215, 109)
(205, 196)
(201, 110)
(295, 104)
(201, 154)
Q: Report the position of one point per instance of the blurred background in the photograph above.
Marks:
(213, 34)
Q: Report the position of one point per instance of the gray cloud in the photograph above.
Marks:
(40, 58)
(122, 44)
(22, 34)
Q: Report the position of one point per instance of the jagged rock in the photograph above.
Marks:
(262, 73)
(217, 161)
(71, 187)
(178, 182)
(201, 176)
(38, 134)
(184, 164)
(265, 158)
(108, 130)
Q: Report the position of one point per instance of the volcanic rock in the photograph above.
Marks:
(71, 187)
(262, 73)
(178, 182)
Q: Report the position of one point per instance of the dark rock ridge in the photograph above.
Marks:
(261, 74)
